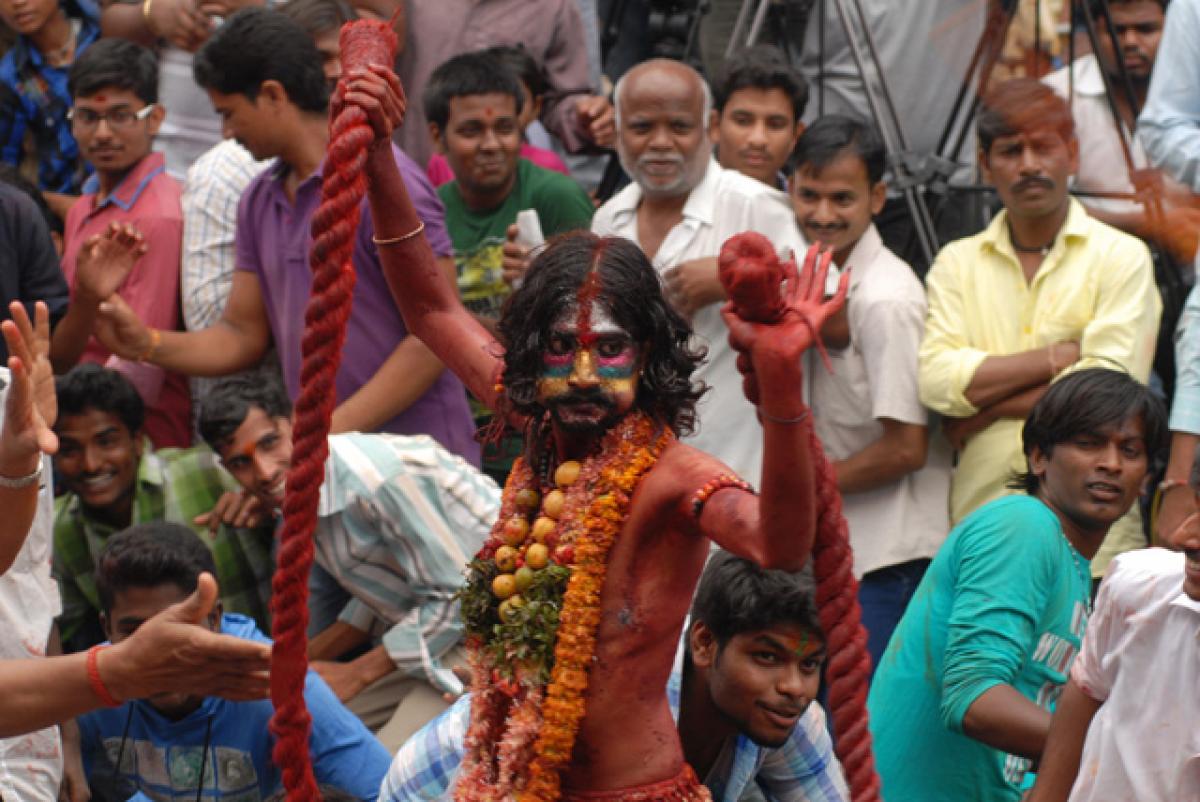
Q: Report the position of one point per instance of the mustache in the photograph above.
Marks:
(595, 397)
(1033, 181)
(674, 158)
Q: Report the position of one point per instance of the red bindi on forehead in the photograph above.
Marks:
(101, 98)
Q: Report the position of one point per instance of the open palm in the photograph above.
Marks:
(31, 407)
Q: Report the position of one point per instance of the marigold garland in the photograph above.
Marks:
(523, 728)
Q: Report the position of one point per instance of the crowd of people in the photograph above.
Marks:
(1014, 427)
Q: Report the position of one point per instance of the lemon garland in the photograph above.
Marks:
(526, 704)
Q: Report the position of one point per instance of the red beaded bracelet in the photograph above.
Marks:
(93, 672)
(712, 486)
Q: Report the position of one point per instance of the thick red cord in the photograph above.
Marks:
(333, 230)
(849, 669)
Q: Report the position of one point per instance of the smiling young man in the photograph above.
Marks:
(1045, 288)
(893, 476)
(473, 104)
(742, 691)
(189, 746)
(960, 705)
(112, 480)
(397, 520)
(114, 86)
(757, 103)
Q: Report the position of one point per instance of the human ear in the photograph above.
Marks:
(703, 645)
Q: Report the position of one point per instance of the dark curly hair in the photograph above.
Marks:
(631, 292)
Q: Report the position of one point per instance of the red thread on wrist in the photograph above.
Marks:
(93, 672)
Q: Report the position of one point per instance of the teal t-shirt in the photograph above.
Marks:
(1005, 601)
(478, 237)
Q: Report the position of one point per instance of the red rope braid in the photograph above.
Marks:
(849, 669)
(333, 230)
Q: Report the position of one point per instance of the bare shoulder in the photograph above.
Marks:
(680, 472)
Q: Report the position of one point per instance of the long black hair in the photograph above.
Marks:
(630, 290)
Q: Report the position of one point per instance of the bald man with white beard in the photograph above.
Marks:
(680, 208)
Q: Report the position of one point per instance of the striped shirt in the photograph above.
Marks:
(214, 186)
(804, 769)
(399, 518)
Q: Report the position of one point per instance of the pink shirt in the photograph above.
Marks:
(148, 199)
(439, 171)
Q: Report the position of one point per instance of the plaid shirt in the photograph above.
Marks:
(172, 485)
(804, 769)
(34, 98)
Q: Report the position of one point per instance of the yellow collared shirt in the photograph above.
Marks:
(1095, 286)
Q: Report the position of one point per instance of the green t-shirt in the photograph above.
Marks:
(478, 237)
(1005, 601)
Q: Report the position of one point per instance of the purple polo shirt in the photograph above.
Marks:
(273, 240)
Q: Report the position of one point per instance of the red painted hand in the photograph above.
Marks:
(377, 91)
(774, 347)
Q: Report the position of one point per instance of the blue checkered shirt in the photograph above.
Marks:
(34, 98)
(804, 769)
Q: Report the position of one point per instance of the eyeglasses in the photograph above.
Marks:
(118, 119)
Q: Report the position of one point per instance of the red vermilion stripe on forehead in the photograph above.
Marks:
(589, 291)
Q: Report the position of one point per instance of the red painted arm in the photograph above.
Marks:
(771, 325)
(427, 299)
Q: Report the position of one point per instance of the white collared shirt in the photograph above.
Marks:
(876, 377)
(724, 203)
(1141, 658)
(1102, 165)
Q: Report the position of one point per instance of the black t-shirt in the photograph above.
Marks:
(29, 267)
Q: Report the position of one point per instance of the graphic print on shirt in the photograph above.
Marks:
(1054, 655)
(481, 277)
(170, 773)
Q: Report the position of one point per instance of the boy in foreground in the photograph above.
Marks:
(181, 743)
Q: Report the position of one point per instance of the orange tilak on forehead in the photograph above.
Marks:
(247, 450)
(101, 98)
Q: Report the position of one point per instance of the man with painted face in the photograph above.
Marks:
(398, 518)
(1045, 289)
(893, 475)
(960, 705)
(596, 367)
(741, 690)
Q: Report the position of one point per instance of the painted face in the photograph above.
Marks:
(1186, 538)
(132, 607)
(27, 17)
(98, 461)
(834, 205)
(662, 140)
(482, 141)
(1030, 170)
(247, 121)
(259, 455)
(755, 133)
(590, 368)
(120, 140)
(1093, 478)
(764, 680)
(1138, 27)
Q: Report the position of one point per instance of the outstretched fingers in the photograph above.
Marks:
(19, 334)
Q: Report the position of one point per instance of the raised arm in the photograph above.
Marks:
(777, 528)
(26, 432)
(424, 294)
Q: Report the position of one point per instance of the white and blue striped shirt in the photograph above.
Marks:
(398, 520)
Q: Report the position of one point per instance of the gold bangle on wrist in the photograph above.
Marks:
(399, 239)
(152, 348)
